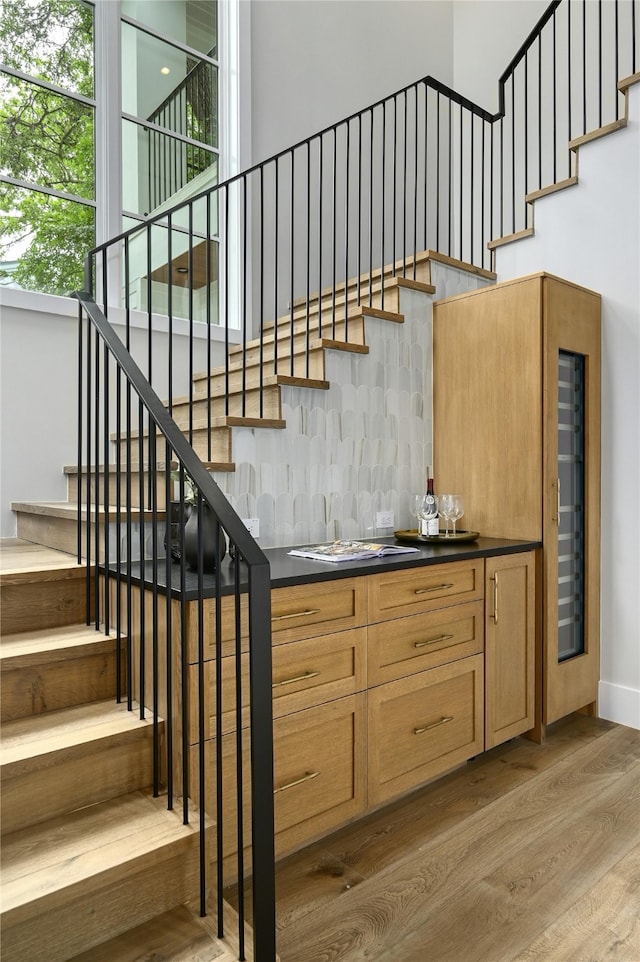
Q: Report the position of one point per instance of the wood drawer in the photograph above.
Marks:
(398, 593)
(319, 774)
(304, 611)
(405, 646)
(305, 673)
(424, 725)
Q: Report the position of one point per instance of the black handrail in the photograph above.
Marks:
(251, 577)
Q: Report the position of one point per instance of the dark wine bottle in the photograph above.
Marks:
(430, 511)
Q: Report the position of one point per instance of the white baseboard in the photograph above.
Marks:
(619, 704)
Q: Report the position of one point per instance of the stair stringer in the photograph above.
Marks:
(352, 450)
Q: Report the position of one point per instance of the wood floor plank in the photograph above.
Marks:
(585, 796)
(603, 925)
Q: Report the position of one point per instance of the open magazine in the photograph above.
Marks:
(350, 551)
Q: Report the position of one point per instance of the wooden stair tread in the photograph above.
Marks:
(69, 511)
(28, 743)
(56, 644)
(174, 936)
(86, 849)
(23, 561)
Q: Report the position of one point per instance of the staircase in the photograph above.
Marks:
(87, 852)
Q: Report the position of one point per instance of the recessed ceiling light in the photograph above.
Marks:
(165, 70)
(182, 270)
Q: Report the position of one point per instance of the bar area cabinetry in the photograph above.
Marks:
(517, 432)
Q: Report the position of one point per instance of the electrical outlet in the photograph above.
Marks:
(384, 519)
(252, 525)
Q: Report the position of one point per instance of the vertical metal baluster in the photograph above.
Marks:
(569, 85)
(555, 101)
(471, 186)
(359, 218)
(245, 233)
(227, 191)
(105, 483)
(540, 111)
(384, 149)
(415, 181)
(404, 193)
(184, 665)
(513, 153)
(333, 232)
(371, 145)
(320, 195)
(292, 263)
(600, 63)
(262, 293)
(438, 171)
(483, 154)
(633, 38)
(616, 55)
(450, 187)
(79, 449)
(239, 757)
(153, 474)
(346, 230)
(191, 322)
(526, 127)
(584, 66)
(426, 166)
(202, 742)
(308, 265)
(491, 183)
(208, 280)
(501, 176)
(276, 221)
(142, 665)
(461, 149)
(94, 512)
(168, 658)
(394, 216)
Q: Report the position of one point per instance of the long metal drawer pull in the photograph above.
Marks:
(432, 641)
(291, 681)
(299, 781)
(427, 728)
(495, 598)
(297, 614)
(558, 517)
(423, 591)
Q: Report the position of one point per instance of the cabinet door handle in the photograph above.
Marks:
(297, 614)
(299, 781)
(436, 724)
(423, 591)
(495, 597)
(432, 641)
(291, 681)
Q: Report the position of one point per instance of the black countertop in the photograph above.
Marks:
(287, 570)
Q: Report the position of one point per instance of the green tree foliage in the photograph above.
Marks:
(46, 139)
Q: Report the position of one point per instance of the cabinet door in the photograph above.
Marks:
(509, 647)
(571, 499)
(423, 726)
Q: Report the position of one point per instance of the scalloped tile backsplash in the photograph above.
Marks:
(359, 448)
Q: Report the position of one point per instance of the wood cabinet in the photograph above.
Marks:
(509, 647)
(517, 433)
(380, 682)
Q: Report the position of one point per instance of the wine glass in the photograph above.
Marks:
(416, 509)
(444, 507)
(456, 509)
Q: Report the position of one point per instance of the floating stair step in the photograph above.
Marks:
(249, 374)
(49, 590)
(52, 668)
(55, 523)
(211, 446)
(136, 472)
(80, 879)
(48, 761)
(174, 936)
(333, 310)
(353, 334)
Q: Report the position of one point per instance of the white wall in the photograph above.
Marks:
(314, 62)
(38, 390)
(487, 35)
(590, 234)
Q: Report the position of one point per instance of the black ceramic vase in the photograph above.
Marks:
(210, 557)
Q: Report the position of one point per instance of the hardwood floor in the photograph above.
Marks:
(530, 853)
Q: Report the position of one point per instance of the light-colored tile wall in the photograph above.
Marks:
(356, 449)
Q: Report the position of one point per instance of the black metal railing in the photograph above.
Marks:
(308, 237)
(189, 111)
(175, 624)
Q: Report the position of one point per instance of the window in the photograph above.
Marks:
(47, 120)
(58, 190)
